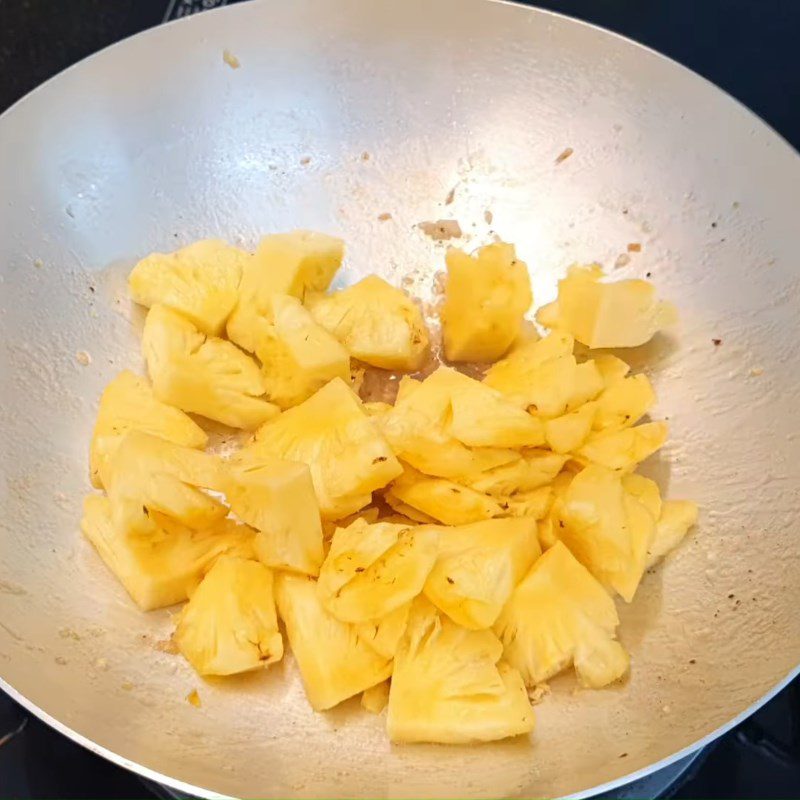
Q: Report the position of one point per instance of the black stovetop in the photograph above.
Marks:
(748, 47)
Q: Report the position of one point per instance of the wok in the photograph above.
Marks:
(343, 111)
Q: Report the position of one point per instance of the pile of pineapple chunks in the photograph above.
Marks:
(443, 555)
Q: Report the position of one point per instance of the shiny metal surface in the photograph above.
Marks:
(157, 141)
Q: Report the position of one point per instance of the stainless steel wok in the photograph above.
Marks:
(344, 110)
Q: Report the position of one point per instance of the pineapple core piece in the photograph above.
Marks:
(347, 456)
(560, 615)
(297, 355)
(128, 404)
(478, 567)
(372, 570)
(163, 569)
(624, 403)
(229, 624)
(334, 662)
(277, 498)
(544, 377)
(376, 698)
(447, 685)
(146, 474)
(200, 281)
(284, 263)
(203, 375)
(486, 297)
(620, 314)
(379, 324)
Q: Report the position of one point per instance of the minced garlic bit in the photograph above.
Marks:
(623, 259)
(230, 59)
(564, 155)
(756, 372)
(83, 358)
(384, 217)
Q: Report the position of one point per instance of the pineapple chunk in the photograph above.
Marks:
(334, 662)
(353, 548)
(277, 498)
(163, 569)
(569, 431)
(445, 501)
(677, 516)
(376, 698)
(646, 491)
(545, 378)
(203, 375)
(229, 624)
(611, 368)
(379, 324)
(607, 528)
(478, 567)
(384, 635)
(624, 449)
(621, 314)
(448, 686)
(284, 263)
(560, 615)
(200, 282)
(486, 297)
(535, 503)
(345, 452)
(371, 570)
(550, 523)
(147, 474)
(624, 403)
(407, 512)
(298, 356)
(128, 404)
(535, 468)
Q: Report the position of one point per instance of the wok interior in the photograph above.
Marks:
(157, 142)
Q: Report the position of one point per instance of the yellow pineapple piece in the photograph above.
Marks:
(549, 524)
(611, 368)
(533, 469)
(608, 528)
(674, 522)
(203, 375)
(347, 456)
(360, 582)
(162, 569)
(277, 498)
(377, 408)
(128, 404)
(146, 474)
(379, 324)
(560, 615)
(444, 500)
(478, 567)
(486, 297)
(645, 490)
(545, 378)
(450, 686)
(569, 431)
(598, 314)
(534, 503)
(376, 698)
(284, 263)
(334, 662)
(407, 512)
(623, 449)
(298, 356)
(383, 635)
(199, 281)
(229, 624)
(352, 549)
(624, 403)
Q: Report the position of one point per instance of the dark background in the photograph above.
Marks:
(748, 47)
